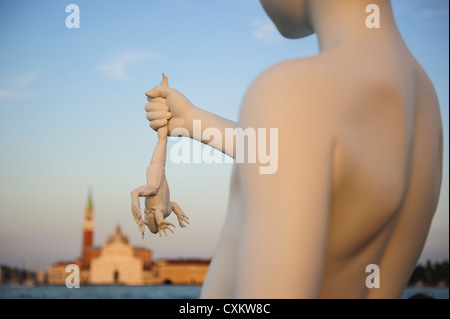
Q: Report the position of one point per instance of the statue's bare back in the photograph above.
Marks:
(386, 152)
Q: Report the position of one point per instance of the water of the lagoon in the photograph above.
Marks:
(142, 292)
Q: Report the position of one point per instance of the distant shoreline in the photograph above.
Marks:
(427, 286)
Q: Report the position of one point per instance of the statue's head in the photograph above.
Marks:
(291, 17)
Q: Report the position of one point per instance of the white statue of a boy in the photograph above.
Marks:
(359, 161)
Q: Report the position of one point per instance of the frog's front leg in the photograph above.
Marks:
(182, 218)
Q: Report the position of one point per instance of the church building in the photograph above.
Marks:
(117, 262)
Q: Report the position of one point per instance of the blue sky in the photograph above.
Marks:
(72, 112)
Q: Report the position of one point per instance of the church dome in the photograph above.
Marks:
(117, 237)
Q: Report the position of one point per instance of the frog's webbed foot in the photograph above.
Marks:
(163, 226)
(182, 218)
(141, 228)
(162, 223)
(136, 210)
(165, 81)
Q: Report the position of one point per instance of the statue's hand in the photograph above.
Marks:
(157, 112)
(169, 107)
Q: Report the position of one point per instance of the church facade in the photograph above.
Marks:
(117, 262)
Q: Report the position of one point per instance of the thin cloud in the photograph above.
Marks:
(25, 80)
(433, 13)
(7, 94)
(19, 89)
(402, 8)
(421, 10)
(265, 31)
(117, 67)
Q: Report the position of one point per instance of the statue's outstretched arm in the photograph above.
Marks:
(180, 119)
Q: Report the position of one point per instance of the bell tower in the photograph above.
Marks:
(88, 227)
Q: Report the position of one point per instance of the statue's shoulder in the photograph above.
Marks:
(324, 83)
(297, 86)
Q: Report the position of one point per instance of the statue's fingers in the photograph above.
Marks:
(170, 229)
(164, 230)
(159, 100)
(151, 116)
(156, 124)
(156, 106)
